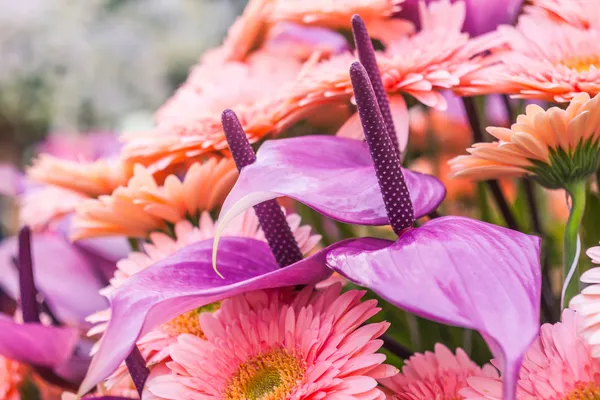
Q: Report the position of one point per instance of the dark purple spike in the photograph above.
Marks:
(270, 216)
(29, 304)
(396, 196)
(366, 55)
(137, 369)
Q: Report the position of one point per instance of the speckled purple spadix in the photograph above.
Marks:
(366, 55)
(396, 196)
(137, 369)
(270, 216)
(29, 305)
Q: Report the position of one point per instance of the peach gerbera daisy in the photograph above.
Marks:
(154, 345)
(439, 375)
(546, 60)
(308, 347)
(189, 124)
(558, 366)
(44, 206)
(336, 14)
(248, 30)
(143, 206)
(557, 147)
(587, 304)
(91, 178)
(438, 57)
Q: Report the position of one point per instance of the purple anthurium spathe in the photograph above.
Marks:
(186, 280)
(35, 344)
(332, 175)
(68, 281)
(51, 350)
(483, 16)
(453, 270)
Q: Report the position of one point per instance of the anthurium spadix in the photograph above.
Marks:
(452, 270)
(186, 280)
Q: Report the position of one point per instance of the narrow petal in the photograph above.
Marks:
(333, 175)
(460, 272)
(185, 281)
(36, 344)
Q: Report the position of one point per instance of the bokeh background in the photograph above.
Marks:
(72, 67)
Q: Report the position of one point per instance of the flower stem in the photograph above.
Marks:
(494, 186)
(572, 242)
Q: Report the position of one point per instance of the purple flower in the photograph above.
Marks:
(483, 16)
(186, 280)
(452, 270)
(55, 351)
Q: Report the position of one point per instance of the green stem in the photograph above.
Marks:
(134, 244)
(577, 193)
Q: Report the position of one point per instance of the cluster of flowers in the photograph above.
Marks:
(122, 283)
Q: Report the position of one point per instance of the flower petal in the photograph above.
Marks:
(65, 277)
(333, 175)
(11, 181)
(185, 281)
(35, 344)
(460, 272)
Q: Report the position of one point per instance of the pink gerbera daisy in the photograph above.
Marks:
(587, 304)
(438, 57)
(545, 60)
(267, 345)
(154, 345)
(144, 206)
(558, 366)
(439, 375)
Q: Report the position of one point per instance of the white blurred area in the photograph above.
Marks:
(80, 65)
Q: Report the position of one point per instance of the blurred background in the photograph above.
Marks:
(71, 67)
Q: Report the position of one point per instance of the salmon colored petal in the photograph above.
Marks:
(460, 272)
(185, 281)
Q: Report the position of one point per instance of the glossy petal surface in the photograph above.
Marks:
(186, 280)
(460, 272)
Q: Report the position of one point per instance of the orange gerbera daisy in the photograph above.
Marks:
(438, 57)
(336, 14)
(91, 178)
(189, 124)
(248, 30)
(143, 206)
(545, 60)
(557, 147)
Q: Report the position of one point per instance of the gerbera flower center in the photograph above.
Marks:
(190, 322)
(582, 64)
(269, 376)
(585, 392)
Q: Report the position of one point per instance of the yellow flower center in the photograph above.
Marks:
(270, 376)
(582, 64)
(585, 392)
(190, 321)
